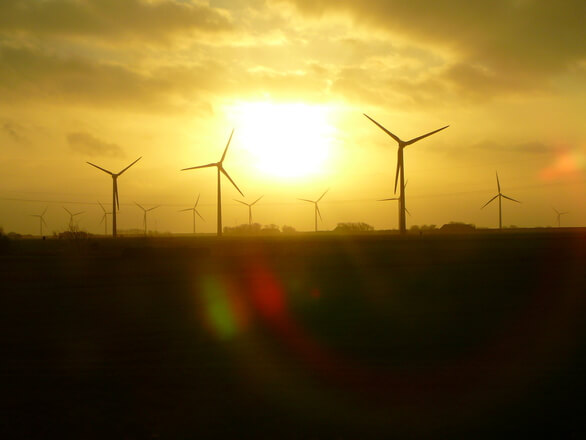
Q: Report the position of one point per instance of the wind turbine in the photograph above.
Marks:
(400, 174)
(249, 208)
(396, 198)
(71, 215)
(145, 215)
(315, 202)
(194, 209)
(104, 218)
(220, 166)
(500, 197)
(115, 200)
(41, 219)
(559, 215)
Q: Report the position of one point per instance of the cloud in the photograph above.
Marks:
(86, 144)
(497, 45)
(110, 19)
(16, 132)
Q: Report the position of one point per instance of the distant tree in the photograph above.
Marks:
(271, 229)
(458, 227)
(353, 227)
(288, 229)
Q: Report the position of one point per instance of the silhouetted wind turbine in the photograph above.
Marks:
(145, 215)
(399, 175)
(249, 208)
(315, 202)
(115, 201)
(396, 198)
(219, 165)
(104, 218)
(71, 215)
(559, 215)
(500, 197)
(41, 219)
(194, 209)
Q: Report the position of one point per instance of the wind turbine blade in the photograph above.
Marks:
(407, 211)
(186, 209)
(116, 194)
(412, 141)
(240, 201)
(318, 213)
(399, 154)
(78, 213)
(100, 168)
(102, 206)
(322, 195)
(199, 215)
(43, 220)
(384, 200)
(227, 145)
(498, 184)
(510, 198)
(130, 165)
(489, 201)
(44, 211)
(197, 201)
(215, 164)
(556, 211)
(306, 200)
(384, 129)
(230, 179)
(154, 207)
(140, 206)
(256, 200)
(103, 218)
(68, 211)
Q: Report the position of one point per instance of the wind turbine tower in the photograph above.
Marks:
(41, 220)
(396, 198)
(115, 200)
(316, 210)
(194, 209)
(500, 197)
(250, 205)
(400, 173)
(144, 220)
(221, 170)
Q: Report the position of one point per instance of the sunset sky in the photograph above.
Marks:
(107, 81)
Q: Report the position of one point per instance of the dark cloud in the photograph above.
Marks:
(32, 76)
(15, 131)
(517, 39)
(88, 145)
(110, 19)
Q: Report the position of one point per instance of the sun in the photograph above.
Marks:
(286, 140)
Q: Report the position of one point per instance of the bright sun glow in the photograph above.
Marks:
(286, 140)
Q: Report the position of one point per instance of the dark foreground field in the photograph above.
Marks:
(300, 337)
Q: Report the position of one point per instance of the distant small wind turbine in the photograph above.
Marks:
(315, 202)
(104, 218)
(145, 215)
(396, 198)
(71, 215)
(500, 197)
(194, 209)
(41, 220)
(250, 205)
(399, 175)
(220, 166)
(115, 201)
(559, 215)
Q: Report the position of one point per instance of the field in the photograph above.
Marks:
(309, 336)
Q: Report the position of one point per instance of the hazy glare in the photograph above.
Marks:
(109, 81)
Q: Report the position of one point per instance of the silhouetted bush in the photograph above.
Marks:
(458, 227)
(253, 229)
(353, 227)
(286, 229)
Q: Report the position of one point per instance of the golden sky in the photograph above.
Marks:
(107, 81)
